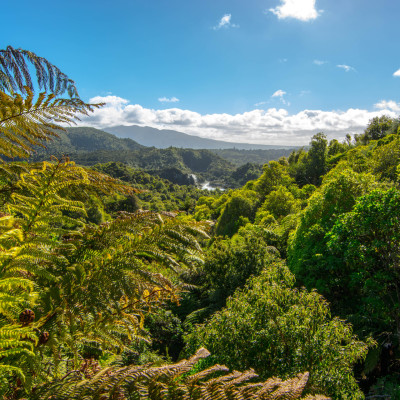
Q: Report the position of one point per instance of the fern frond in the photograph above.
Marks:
(172, 382)
(15, 75)
(25, 123)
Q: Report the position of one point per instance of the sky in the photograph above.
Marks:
(255, 71)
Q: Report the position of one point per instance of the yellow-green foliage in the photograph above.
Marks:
(95, 282)
(26, 122)
(16, 341)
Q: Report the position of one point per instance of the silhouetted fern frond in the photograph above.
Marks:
(15, 74)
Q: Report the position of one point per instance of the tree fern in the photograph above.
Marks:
(76, 288)
(16, 292)
(174, 381)
(26, 122)
(16, 76)
(95, 283)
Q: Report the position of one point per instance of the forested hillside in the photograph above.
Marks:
(225, 168)
(240, 157)
(89, 146)
(154, 193)
(115, 284)
(85, 139)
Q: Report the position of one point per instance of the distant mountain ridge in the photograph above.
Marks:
(164, 138)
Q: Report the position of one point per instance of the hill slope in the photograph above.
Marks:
(85, 139)
(89, 146)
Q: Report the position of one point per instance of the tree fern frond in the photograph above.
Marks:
(15, 75)
(171, 382)
(24, 123)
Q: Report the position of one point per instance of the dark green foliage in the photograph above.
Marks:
(166, 331)
(308, 168)
(203, 163)
(229, 263)
(155, 194)
(366, 241)
(259, 157)
(243, 174)
(308, 255)
(85, 139)
(239, 210)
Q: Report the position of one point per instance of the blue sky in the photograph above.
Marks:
(271, 71)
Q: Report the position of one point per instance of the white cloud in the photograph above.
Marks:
(279, 93)
(347, 68)
(271, 126)
(319, 62)
(303, 10)
(225, 22)
(397, 73)
(110, 101)
(388, 105)
(168, 100)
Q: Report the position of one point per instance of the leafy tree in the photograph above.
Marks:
(378, 128)
(230, 262)
(308, 255)
(280, 203)
(281, 331)
(238, 210)
(275, 174)
(385, 158)
(335, 147)
(366, 240)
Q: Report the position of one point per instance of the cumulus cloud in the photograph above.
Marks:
(319, 62)
(397, 73)
(388, 105)
(110, 101)
(347, 68)
(225, 22)
(168, 100)
(271, 126)
(303, 10)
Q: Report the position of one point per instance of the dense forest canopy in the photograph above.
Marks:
(116, 283)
